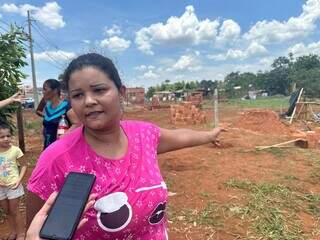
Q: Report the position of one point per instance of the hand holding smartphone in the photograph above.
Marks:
(65, 214)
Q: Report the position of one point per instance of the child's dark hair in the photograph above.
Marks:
(5, 125)
(54, 84)
(95, 60)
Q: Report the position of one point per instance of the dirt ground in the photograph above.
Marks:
(201, 203)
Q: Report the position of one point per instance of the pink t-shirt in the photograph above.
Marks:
(131, 192)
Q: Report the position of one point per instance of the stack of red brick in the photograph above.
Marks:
(186, 113)
(155, 103)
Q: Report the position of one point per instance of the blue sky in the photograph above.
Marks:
(151, 41)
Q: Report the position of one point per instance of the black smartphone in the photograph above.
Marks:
(65, 214)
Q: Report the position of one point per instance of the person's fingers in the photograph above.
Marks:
(89, 205)
(90, 201)
(48, 204)
(82, 222)
(216, 143)
(92, 196)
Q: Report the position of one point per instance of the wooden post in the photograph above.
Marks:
(20, 128)
(216, 112)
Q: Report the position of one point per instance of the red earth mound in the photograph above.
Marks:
(263, 121)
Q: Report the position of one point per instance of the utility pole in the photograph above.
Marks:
(34, 81)
(216, 110)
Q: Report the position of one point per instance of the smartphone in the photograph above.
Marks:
(65, 214)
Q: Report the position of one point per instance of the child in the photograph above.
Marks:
(11, 188)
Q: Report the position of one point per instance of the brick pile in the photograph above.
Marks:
(186, 113)
(155, 103)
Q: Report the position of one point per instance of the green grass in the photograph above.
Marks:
(276, 102)
(271, 208)
(290, 177)
(209, 216)
(35, 125)
(277, 152)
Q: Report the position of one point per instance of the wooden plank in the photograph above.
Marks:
(278, 144)
(20, 128)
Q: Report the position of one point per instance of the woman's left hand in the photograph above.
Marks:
(215, 134)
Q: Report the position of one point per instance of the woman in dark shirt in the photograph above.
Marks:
(53, 111)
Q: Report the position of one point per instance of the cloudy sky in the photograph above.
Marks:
(151, 41)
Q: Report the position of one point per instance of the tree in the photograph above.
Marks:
(150, 92)
(12, 59)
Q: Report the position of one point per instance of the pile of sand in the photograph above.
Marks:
(263, 121)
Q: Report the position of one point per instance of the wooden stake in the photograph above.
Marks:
(279, 144)
(216, 102)
(20, 128)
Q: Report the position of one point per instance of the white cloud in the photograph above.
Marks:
(48, 15)
(185, 62)
(144, 67)
(229, 32)
(86, 41)
(10, 8)
(113, 31)
(54, 55)
(254, 49)
(185, 29)
(302, 49)
(266, 61)
(115, 44)
(141, 67)
(296, 27)
(150, 74)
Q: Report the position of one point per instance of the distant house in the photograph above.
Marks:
(257, 93)
(164, 95)
(196, 96)
(135, 95)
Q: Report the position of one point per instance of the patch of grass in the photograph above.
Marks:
(313, 204)
(35, 125)
(290, 177)
(169, 183)
(204, 194)
(272, 209)
(275, 102)
(277, 152)
(209, 216)
(240, 184)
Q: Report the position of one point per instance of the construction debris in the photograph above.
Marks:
(186, 113)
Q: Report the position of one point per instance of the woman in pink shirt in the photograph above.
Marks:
(122, 155)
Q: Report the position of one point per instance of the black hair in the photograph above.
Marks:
(93, 60)
(5, 125)
(54, 84)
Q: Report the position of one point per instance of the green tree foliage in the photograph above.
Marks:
(12, 59)
(150, 92)
(285, 71)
